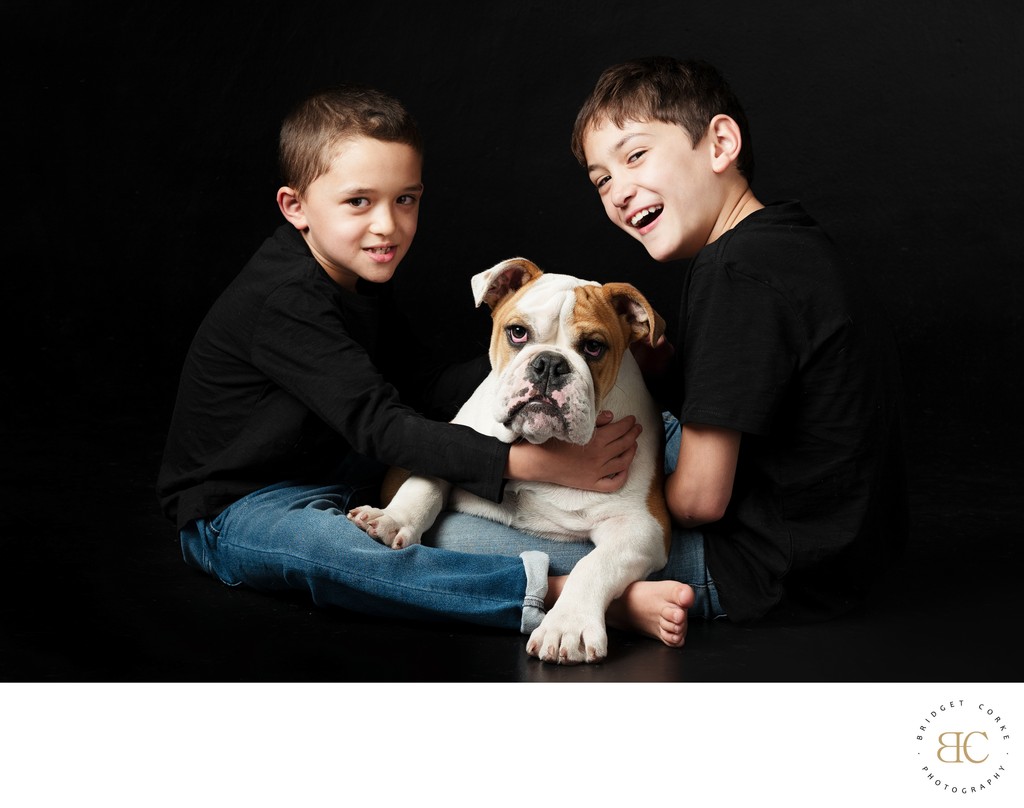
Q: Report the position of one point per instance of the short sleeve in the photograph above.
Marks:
(740, 349)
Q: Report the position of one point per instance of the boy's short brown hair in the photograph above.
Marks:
(660, 88)
(313, 129)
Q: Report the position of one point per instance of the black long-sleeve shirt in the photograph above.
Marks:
(289, 372)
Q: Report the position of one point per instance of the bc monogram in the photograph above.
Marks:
(962, 744)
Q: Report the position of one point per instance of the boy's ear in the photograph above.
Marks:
(725, 140)
(290, 203)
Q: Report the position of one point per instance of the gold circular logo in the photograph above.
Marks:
(963, 747)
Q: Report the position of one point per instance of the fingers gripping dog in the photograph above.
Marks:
(559, 355)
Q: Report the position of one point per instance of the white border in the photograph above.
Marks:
(479, 744)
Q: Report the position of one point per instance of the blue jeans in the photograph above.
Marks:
(295, 536)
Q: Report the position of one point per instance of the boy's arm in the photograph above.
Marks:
(700, 488)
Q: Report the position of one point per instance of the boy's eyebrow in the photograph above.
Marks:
(418, 186)
(621, 142)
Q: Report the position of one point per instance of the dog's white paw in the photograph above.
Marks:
(380, 525)
(569, 639)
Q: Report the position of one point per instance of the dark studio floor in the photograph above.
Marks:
(95, 589)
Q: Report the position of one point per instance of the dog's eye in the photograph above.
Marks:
(594, 349)
(517, 334)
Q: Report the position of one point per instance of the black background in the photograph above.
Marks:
(141, 170)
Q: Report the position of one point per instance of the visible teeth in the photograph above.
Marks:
(639, 216)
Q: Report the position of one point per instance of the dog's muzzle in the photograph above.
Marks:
(547, 397)
(549, 371)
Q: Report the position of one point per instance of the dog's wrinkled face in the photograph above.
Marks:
(557, 344)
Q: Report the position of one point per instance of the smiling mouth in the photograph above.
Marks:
(644, 217)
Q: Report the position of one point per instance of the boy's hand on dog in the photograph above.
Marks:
(600, 465)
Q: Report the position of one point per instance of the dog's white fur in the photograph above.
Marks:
(543, 327)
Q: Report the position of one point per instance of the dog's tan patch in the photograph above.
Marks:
(596, 319)
(624, 305)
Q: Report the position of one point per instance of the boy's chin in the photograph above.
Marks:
(661, 255)
(663, 252)
(378, 274)
(655, 247)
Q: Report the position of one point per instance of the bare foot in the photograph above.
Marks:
(654, 608)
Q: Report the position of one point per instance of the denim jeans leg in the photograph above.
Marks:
(297, 537)
(463, 533)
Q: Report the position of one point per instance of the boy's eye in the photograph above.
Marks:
(594, 349)
(600, 181)
(359, 202)
(636, 156)
(407, 199)
(517, 334)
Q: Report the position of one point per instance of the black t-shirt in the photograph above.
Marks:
(783, 342)
(289, 372)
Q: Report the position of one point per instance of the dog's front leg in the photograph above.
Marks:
(412, 511)
(573, 631)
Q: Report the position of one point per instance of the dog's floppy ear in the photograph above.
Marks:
(644, 322)
(494, 284)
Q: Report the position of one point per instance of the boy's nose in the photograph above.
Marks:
(622, 193)
(383, 222)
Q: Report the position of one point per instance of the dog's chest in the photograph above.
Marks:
(552, 510)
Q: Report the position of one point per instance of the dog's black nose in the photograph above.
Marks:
(549, 371)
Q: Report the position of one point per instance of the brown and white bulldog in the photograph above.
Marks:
(559, 355)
